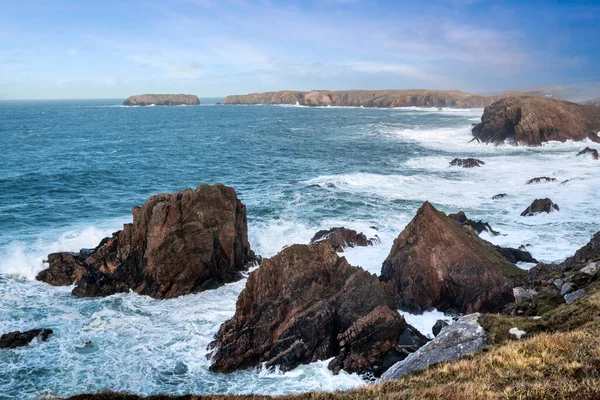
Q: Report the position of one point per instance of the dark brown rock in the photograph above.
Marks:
(19, 339)
(307, 304)
(178, 243)
(590, 151)
(341, 237)
(539, 206)
(466, 162)
(533, 120)
(438, 326)
(477, 226)
(437, 263)
(499, 196)
(515, 255)
(540, 179)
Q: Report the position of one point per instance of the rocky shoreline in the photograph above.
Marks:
(162, 100)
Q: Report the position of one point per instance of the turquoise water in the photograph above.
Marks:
(71, 171)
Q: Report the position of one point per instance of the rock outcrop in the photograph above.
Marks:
(590, 151)
(532, 121)
(15, 339)
(540, 179)
(477, 226)
(539, 206)
(437, 263)
(178, 243)
(515, 255)
(162, 100)
(367, 98)
(463, 337)
(466, 162)
(341, 237)
(307, 304)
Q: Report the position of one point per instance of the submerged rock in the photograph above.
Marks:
(307, 304)
(341, 237)
(15, 339)
(540, 179)
(499, 196)
(533, 120)
(539, 206)
(466, 162)
(457, 340)
(162, 100)
(436, 263)
(178, 243)
(587, 150)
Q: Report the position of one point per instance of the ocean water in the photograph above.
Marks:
(70, 171)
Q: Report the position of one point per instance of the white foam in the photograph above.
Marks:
(424, 322)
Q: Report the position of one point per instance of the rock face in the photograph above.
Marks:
(367, 98)
(162, 100)
(436, 263)
(178, 243)
(339, 238)
(539, 206)
(457, 340)
(307, 304)
(533, 120)
(466, 162)
(587, 150)
(19, 339)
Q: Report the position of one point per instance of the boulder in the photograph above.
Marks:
(574, 296)
(499, 196)
(463, 337)
(307, 304)
(178, 243)
(466, 162)
(540, 179)
(341, 237)
(15, 339)
(436, 263)
(438, 326)
(478, 226)
(587, 150)
(531, 121)
(539, 206)
(162, 100)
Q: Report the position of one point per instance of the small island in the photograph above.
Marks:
(162, 100)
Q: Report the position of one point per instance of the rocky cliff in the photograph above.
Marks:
(178, 243)
(367, 98)
(162, 100)
(533, 120)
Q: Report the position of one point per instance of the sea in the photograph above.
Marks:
(70, 172)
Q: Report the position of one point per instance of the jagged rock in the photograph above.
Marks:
(436, 263)
(307, 304)
(515, 255)
(588, 253)
(457, 340)
(499, 196)
(341, 237)
(522, 294)
(574, 296)
(15, 339)
(540, 205)
(438, 326)
(566, 288)
(591, 269)
(478, 226)
(541, 179)
(178, 243)
(533, 120)
(466, 162)
(587, 150)
(162, 100)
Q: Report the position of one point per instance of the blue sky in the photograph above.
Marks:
(100, 49)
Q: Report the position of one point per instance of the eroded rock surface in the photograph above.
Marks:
(178, 243)
(341, 237)
(15, 339)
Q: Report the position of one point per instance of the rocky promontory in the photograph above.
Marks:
(367, 98)
(162, 100)
(307, 304)
(178, 243)
(532, 121)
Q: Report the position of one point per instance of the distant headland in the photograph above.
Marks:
(162, 100)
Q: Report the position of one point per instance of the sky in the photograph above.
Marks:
(51, 49)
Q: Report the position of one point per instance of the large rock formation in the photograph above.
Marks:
(341, 237)
(463, 337)
(162, 100)
(15, 339)
(534, 120)
(540, 206)
(178, 243)
(307, 304)
(438, 263)
(367, 98)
